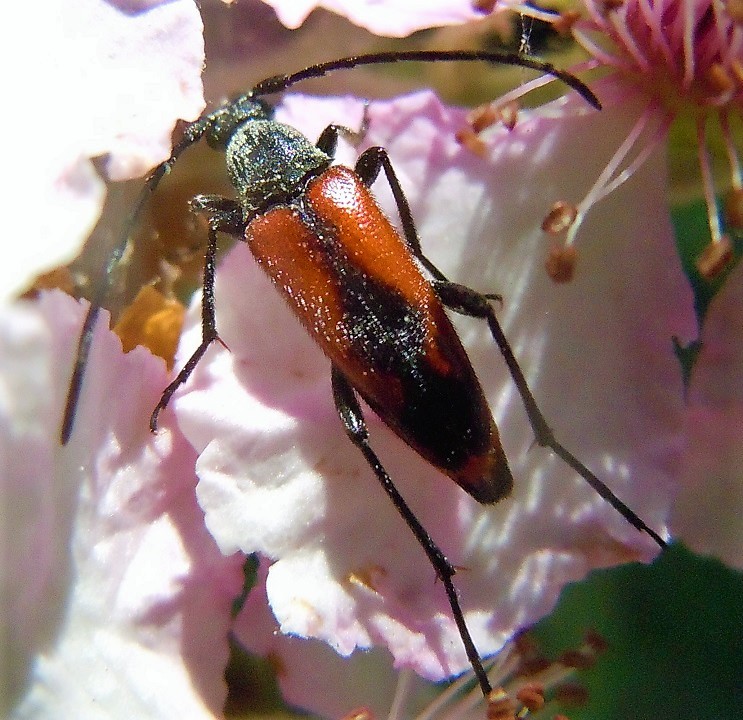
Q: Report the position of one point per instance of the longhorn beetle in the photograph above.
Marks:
(318, 233)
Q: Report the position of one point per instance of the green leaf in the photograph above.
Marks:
(675, 635)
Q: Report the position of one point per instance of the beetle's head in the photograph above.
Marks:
(226, 120)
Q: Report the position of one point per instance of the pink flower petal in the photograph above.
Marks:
(115, 599)
(708, 515)
(277, 475)
(335, 685)
(112, 85)
(383, 17)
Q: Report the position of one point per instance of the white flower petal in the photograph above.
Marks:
(111, 85)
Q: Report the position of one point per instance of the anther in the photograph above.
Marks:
(571, 693)
(483, 117)
(577, 659)
(470, 140)
(152, 320)
(509, 115)
(734, 209)
(484, 6)
(560, 263)
(714, 258)
(735, 10)
(564, 22)
(560, 217)
(595, 642)
(719, 79)
(608, 6)
(736, 67)
(501, 706)
(531, 697)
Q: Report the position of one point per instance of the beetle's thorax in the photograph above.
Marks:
(269, 163)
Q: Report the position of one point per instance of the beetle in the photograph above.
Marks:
(367, 294)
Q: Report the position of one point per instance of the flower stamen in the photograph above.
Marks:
(685, 58)
(607, 182)
(651, 14)
(524, 682)
(713, 218)
(647, 150)
(688, 43)
(618, 20)
(719, 252)
(736, 179)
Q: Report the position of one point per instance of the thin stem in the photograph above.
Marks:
(713, 216)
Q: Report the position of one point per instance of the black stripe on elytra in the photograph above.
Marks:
(445, 414)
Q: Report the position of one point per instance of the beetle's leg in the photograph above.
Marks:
(224, 216)
(193, 134)
(328, 140)
(469, 302)
(368, 165)
(466, 301)
(352, 418)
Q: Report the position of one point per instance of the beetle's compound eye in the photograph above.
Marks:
(226, 120)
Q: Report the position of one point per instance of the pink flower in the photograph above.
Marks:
(707, 515)
(119, 584)
(387, 17)
(278, 476)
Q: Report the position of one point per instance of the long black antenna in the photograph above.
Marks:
(277, 83)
